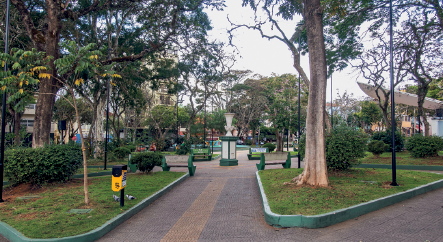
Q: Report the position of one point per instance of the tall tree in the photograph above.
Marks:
(315, 171)
(46, 22)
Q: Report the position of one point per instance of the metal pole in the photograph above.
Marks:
(204, 127)
(107, 124)
(332, 113)
(212, 128)
(2, 159)
(178, 133)
(394, 169)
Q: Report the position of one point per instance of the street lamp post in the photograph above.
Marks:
(107, 124)
(2, 158)
(332, 114)
(204, 127)
(391, 66)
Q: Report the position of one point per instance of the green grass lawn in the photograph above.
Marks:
(346, 189)
(93, 170)
(47, 217)
(403, 158)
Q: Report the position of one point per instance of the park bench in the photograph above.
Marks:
(201, 154)
(178, 161)
(132, 167)
(252, 156)
(278, 158)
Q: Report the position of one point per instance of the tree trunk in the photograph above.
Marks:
(82, 141)
(48, 87)
(98, 151)
(315, 170)
(17, 127)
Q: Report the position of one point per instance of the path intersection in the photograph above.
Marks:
(224, 204)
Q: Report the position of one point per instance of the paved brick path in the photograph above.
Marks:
(223, 204)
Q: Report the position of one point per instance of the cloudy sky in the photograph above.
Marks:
(264, 56)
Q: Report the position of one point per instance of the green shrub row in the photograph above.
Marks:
(420, 146)
(54, 163)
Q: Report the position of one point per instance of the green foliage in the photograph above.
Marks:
(184, 148)
(386, 137)
(421, 146)
(147, 160)
(377, 147)
(248, 142)
(131, 147)
(344, 145)
(271, 146)
(121, 152)
(54, 163)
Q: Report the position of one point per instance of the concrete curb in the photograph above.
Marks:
(402, 167)
(337, 216)
(215, 157)
(13, 235)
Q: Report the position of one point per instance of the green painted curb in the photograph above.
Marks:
(13, 235)
(228, 162)
(5, 183)
(337, 216)
(215, 157)
(402, 167)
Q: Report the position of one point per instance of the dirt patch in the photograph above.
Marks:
(387, 185)
(13, 192)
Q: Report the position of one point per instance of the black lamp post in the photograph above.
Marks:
(391, 66)
(2, 158)
(332, 111)
(107, 124)
(204, 126)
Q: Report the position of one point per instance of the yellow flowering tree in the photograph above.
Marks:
(20, 81)
(77, 66)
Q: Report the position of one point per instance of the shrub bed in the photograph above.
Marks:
(344, 145)
(146, 161)
(54, 163)
(421, 146)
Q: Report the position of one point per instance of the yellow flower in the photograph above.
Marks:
(3, 88)
(21, 91)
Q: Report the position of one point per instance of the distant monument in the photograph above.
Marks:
(229, 142)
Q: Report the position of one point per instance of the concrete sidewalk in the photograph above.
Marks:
(223, 204)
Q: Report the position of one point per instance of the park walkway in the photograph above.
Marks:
(223, 204)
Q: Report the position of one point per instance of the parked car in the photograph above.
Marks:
(240, 142)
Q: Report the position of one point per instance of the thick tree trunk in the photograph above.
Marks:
(315, 170)
(47, 87)
(17, 127)
(98, 151)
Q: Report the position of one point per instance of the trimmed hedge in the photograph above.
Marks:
(421, 146)
(146, 161)
(53, 163)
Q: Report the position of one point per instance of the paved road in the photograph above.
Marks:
(223, 204)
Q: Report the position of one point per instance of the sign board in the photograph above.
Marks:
(119, 177)
(262, 150)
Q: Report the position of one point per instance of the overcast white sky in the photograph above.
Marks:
(266, 57)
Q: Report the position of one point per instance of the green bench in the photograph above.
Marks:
(278, 158)
(178, 161)
(201, 154)
(132, 167)
(252, 156)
